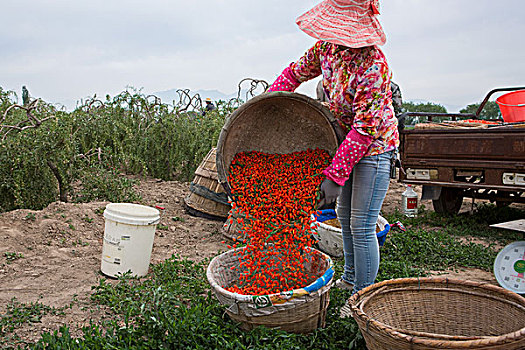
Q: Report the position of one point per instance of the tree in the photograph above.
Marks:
(429, 107)
(25, 96)
(490, 110)
(423, 107)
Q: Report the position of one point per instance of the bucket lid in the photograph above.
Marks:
(133, 214)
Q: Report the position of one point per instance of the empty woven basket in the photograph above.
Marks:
(439, 313)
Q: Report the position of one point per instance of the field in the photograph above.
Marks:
(53, 296)
(47, 279)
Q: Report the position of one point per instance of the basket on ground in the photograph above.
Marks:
(299, 311)
(439, 313)
(232, 227)
(207, 197)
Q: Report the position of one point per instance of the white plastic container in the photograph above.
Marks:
(128, 238)
(409, 202)
(330, 238)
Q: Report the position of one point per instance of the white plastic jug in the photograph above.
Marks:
(409, 202)
(128, 238)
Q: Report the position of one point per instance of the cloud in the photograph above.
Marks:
(454, 51)
(446, 51)
(71, 49)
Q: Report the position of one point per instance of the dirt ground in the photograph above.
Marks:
(53, 256)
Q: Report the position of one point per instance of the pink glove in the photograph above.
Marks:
(285, 82)
(348, 154)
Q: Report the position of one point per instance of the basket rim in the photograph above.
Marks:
(249, 297)
(502, 97)
(353, 301)
(380, 220)
(222, 168)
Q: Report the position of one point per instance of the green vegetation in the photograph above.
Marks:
(422, 107)
(80, 156)
(18, 314)
(12, 256)
(490, 110)
(48, 154)
(30, 216)
(174, 308)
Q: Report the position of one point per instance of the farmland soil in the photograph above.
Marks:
(52, 256)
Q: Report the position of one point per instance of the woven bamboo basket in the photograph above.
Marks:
(207, 197)
(232, 228)
(278, 123)
(299, 311)
(439, 313)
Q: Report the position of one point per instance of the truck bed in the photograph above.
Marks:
(484, 158)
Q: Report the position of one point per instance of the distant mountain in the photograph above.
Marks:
(168, 96)
(69, 105)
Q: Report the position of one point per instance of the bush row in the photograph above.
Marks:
(48, 154)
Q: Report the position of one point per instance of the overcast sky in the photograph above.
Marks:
(449, 51)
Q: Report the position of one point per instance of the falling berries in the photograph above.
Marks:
(277, 193)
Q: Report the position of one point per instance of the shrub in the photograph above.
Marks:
(45, 151)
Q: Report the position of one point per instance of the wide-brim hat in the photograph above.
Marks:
(351, 23)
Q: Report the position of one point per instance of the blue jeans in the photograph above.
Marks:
(358, 208)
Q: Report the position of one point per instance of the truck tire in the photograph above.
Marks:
(504, 194)
(449, 201)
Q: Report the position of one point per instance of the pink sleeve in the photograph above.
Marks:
(285, 82)
(348, 154)
(306, 68)
(309, 66)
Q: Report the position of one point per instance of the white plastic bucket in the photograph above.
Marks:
(128, 238)
(330, 238)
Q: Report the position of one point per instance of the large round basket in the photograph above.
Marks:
(278, 122)
(301, 310)
(207, 197)
(439, 313)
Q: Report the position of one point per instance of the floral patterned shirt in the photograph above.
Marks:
(357, 84)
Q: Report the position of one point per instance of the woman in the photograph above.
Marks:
(356, 80)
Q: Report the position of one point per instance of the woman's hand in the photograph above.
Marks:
(285, 82)
(329, 192)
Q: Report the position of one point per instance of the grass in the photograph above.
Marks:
(30, 216)
(173, 307)
(163, 312)
(17, 314)
(12, 256)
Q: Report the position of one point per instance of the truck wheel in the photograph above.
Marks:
(504, 194)
(449, 201)
(502, 204)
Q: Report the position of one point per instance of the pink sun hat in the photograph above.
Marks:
(351, 23)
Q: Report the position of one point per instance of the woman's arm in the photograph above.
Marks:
(306, 68)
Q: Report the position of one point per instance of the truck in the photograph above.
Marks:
(455, 159)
